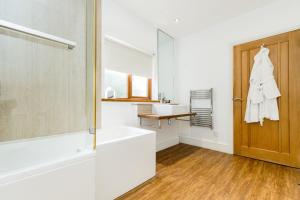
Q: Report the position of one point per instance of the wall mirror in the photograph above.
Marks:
(165, 56)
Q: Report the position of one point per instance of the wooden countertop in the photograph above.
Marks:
(159, 117)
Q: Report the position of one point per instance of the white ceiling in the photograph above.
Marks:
(194, 15)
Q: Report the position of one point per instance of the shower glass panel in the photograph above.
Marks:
(165, 50)
(45, 87)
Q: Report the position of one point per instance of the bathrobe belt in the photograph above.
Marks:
(259, 97)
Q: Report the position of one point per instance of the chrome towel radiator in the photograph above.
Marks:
(201, 103)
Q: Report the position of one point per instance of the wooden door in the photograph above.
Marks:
(275, 141)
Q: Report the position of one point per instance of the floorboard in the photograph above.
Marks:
(186, 172)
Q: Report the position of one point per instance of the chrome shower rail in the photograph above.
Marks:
(36, 33)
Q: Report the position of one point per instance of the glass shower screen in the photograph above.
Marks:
(46, 85)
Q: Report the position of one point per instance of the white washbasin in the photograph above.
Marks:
(168, 109)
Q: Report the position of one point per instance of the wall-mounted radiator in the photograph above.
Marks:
(201, 103)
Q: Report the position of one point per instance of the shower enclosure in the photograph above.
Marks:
(48, 78)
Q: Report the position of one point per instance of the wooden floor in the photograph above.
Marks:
(187, 172)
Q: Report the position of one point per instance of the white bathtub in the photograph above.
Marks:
(126, 158)
(65, 168)
(48, 168)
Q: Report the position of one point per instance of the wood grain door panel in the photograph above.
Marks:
(273, 141)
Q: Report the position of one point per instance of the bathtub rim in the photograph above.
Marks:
(22, 173)
(143, 133)
(39, 138)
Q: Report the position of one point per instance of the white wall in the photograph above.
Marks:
(205, 60)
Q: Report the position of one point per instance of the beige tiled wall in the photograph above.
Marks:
(42, 84)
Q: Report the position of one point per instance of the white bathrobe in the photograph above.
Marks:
(263, 91)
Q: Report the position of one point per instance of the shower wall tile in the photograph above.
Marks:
(43, 84)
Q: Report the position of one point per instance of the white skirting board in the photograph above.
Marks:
(208, 144)
(167, 143)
